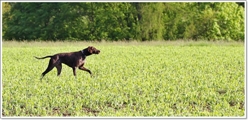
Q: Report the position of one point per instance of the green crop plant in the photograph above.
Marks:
(150, 79)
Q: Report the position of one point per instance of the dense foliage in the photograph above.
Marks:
(123, 21)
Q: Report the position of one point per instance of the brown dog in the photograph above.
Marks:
(72, 59)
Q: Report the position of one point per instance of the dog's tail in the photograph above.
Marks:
(42, 57)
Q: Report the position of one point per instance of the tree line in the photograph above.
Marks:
(114, 21)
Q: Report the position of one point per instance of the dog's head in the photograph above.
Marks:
(93, 50)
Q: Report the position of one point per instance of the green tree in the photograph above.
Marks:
(114, 21)
(5, 12)
(230, 18)
(150, 21)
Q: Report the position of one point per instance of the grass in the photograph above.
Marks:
(130, 79)
(120, 43)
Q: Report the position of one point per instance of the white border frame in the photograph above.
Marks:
(245, 116)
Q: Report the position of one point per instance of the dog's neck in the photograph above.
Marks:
(83, 53)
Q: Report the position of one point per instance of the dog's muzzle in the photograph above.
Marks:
(98, 51)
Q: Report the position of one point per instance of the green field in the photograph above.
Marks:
(135, 79)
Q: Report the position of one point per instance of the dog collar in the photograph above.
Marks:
(83, 53)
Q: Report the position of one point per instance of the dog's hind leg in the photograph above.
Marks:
(59, 67)
(49, 68)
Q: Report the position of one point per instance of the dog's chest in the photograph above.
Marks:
(81, 61)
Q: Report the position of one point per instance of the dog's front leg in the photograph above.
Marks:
(74, 71)
(85, 69)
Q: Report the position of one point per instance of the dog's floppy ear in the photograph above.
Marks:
(90, 49)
